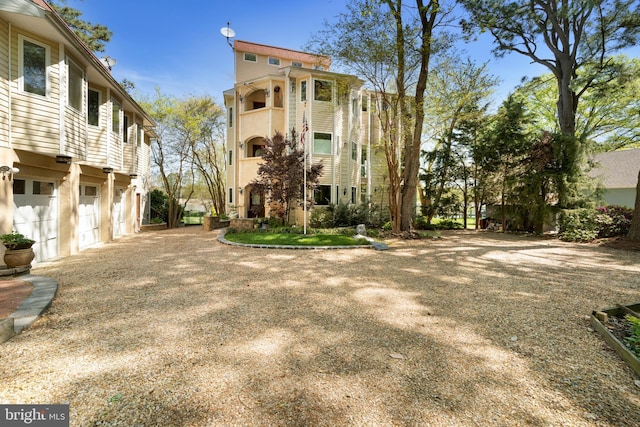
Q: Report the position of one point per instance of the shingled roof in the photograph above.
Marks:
(618, 169)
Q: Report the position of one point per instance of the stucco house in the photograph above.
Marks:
(618, 175)
(278, 89)
(74, 145)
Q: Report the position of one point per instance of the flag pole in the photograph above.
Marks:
(304, 187)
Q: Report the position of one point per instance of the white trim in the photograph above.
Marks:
(99, 92)
(68, 63)
(47, 65)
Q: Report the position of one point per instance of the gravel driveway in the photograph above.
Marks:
(173, 328)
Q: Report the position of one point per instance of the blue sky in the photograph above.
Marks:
(177, 45)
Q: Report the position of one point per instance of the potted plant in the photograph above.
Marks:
(19, 251)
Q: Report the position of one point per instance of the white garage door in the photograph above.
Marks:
(118, 213)
(89, 216)
(35, 214)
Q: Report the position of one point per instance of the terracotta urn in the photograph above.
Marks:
(15, 258)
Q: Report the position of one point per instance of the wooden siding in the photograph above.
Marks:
(4, 84)
(96, 151)
(36, 119)
(75, 133)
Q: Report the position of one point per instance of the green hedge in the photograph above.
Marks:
(586, 225)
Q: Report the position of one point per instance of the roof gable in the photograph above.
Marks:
(283, 53)
(618, 169)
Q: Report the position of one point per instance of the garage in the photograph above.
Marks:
(118, 221)
(35, 207)
(88, 216)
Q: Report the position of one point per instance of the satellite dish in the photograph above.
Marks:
(108, 61)
(228, 33)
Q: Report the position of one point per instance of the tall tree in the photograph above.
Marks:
(201, 124)
(508, 138)
(390, 44)
(281, 175)
(607, 115)
(170, 154)
(455, 94)
(572, 38)
(94, 35)
(634, 230)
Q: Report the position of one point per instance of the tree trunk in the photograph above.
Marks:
(634, 230)
(413, 142)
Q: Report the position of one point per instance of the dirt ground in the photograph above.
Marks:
(173, 328)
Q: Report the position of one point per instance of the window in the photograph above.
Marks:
(19, 186)
(321, 143)
(230, 157)
(365, 100)
(296, 64)
(230, 117)
(115, 116)
(363, 162)
(93, 107)
(250, 57)
(43, 188)
(75, 82)
(322, 90)
(274, 61)
(303, 90)
(231, 195)
(34, 68)
(322, 195)
(354, 151)
(125, 128)
(353, 195)
(90, 190)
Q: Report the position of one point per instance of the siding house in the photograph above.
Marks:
(278, 89)
(618, 175)
(74, 146)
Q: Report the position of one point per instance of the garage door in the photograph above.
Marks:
(35, 214)
(89, 216)
(118, 213)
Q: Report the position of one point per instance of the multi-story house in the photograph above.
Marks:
(74, 145)
(279, 89)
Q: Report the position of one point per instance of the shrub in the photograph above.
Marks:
(586, 225)
(633, 340)
(321, 218)
(342, 215)
(579, 225)
(617, 222)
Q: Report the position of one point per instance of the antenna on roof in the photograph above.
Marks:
(108, 62)
(228, 33)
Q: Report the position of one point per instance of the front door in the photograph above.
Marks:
(256, 203)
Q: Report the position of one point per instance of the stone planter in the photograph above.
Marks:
(153, 227)
(17, 258)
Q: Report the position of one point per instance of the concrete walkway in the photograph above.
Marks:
(44, 290)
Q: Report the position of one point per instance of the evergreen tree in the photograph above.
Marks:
(94, 35)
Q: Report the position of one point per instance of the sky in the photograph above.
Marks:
(177, 45)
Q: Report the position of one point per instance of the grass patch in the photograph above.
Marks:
(288, 239)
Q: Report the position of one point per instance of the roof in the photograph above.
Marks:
(294, 55)
(40, 9)
(618, 169)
